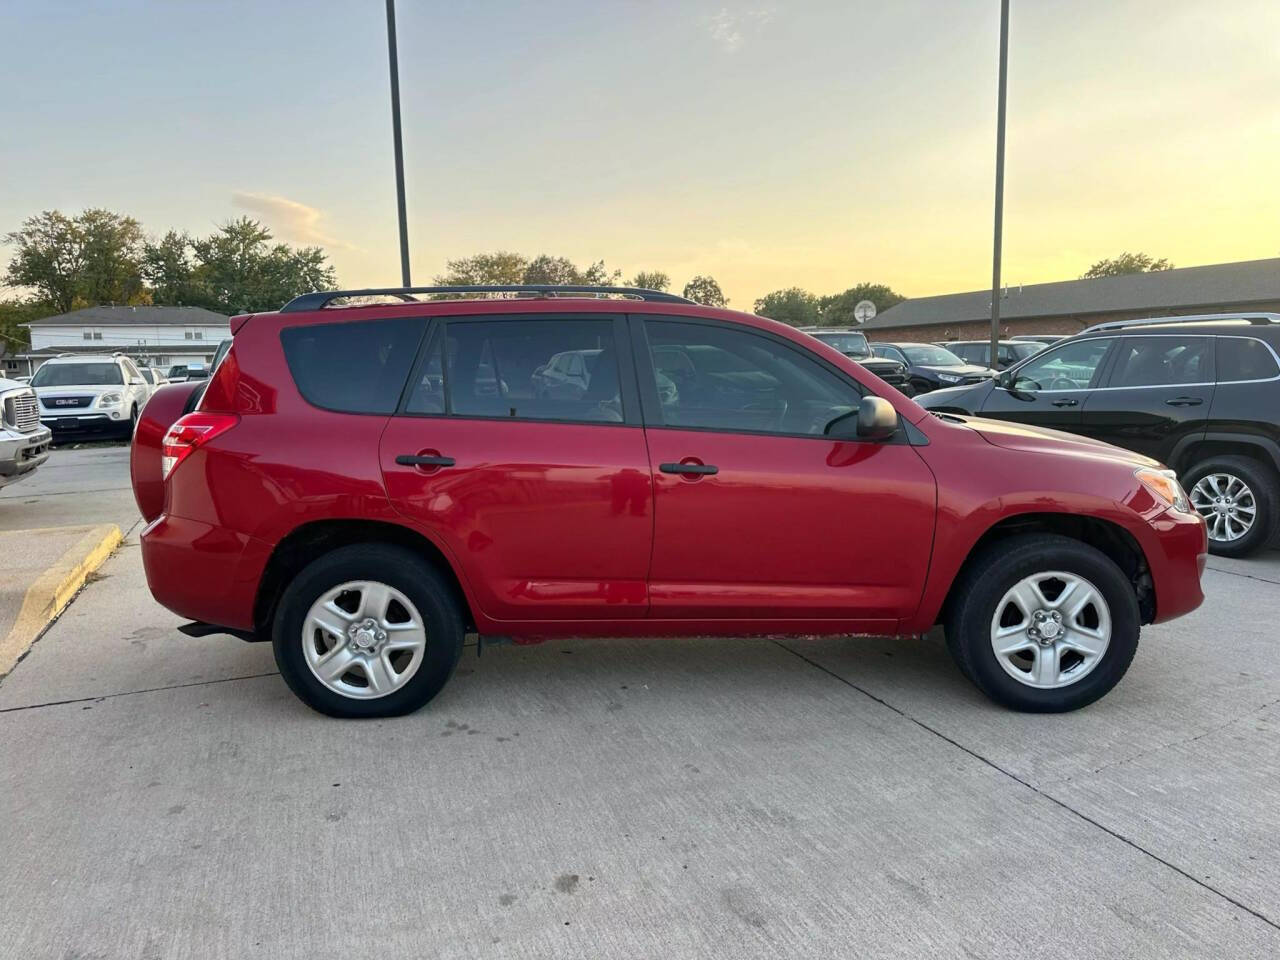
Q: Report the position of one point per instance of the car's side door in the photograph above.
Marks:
(1050, 389)
(544, 501)
(759, 514)
(1157, 394)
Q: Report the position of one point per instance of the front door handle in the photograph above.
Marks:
(412, 460)
(1185, 401)
(693, 469)
(1066, 402)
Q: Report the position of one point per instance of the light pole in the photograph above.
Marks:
(999, 226)
(399, 146)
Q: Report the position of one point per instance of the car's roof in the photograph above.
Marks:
(1221, 328)
(82, 358)
(947, 343)
(812, 330)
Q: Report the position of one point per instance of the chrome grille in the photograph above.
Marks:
(22, 411)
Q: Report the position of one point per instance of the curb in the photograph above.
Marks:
(54, 589)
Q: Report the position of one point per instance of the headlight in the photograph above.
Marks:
(1164, 484)
(109, 399)
(948, 378)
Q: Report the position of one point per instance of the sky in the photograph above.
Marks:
(769, 144)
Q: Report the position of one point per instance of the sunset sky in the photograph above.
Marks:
(769, 144)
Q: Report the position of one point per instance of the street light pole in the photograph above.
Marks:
(999, 225)
(399, 146)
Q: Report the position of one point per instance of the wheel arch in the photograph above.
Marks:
(1109, 538)
(1194, 450)
(310, 540)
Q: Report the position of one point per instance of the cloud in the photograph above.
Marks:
(292, 220)
(730, 29)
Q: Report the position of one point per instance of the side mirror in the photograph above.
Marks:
(875, 419)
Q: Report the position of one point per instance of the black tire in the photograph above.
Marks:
(399, 568)
(133, 423)
(1264, 484)
(984, 583)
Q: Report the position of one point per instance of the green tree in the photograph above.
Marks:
(837, 308)
(548, 269)
(13, 313)
(500, 267)
(170, 270)
(1126, 263)
(792, 305)
(651, 280)
(706, 291)
(237, 269)
(86, 259)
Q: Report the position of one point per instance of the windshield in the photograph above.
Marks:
(928, 355)
(850, 344)
(77, 375)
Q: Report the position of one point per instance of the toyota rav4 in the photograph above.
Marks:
(361, 484)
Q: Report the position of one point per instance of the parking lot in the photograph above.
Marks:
(167, 796)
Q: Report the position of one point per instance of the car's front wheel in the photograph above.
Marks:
(1043, 623)
(369, 630)
(1238, 498)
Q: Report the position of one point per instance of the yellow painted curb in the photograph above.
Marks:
(53, 590)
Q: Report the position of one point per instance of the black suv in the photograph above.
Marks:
(979, 351)
(853, 344)
(1201, 394)
(930, 366)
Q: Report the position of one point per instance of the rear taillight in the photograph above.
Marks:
(191, 432)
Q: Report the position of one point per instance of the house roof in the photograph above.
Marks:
(1217, 284)
(141, 316)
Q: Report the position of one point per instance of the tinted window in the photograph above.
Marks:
(712, 376)
(891, 353)
(1242, 359)
(356, 367)
(1161, 361)
(853, 344)
(1069, 367)
(147, 375)
(77, 375)
(529, 368)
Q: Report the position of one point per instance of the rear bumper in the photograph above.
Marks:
(1176, 547)
(203, 572)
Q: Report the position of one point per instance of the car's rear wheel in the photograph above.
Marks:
(369, 630)
(1237, 497)
(1043, 623)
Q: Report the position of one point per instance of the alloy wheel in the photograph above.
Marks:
(1051, 629)
(1227, 505)
(363, 639)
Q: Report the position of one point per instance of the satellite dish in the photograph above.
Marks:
(864, 311)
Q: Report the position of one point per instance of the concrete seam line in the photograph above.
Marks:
(1032, 787)
(53, 590)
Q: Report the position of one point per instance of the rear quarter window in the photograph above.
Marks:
(357, 367)
(1242, 358)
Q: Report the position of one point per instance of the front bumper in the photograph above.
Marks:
(84, 423)
(21, 453)
(1176, 546)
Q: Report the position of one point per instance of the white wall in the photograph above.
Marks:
(154, 337)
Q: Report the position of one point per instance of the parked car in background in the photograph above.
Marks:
(90, 394)
(332, 494)
(1201, 394)
(930, 366)
(853, 344)
(1046, 338)
(978, 352)
(182, 372)
(153, 377)
(24, 440)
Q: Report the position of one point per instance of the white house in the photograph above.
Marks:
(159, 337)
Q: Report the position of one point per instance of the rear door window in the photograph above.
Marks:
(525, 368)
(1163, 361)
(1242, 358)
(358, 367)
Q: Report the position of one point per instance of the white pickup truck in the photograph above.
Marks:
(24, 440)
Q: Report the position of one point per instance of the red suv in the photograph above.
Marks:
(364, 484)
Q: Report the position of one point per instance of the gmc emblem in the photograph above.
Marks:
(64, 402)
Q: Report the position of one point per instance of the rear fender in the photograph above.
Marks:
(164, 408)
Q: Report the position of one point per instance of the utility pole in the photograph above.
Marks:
(999, 225)
(399, 146)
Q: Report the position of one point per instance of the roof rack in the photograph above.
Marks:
(321, 299)
(1252, 318)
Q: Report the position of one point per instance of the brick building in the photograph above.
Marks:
(1069, 306)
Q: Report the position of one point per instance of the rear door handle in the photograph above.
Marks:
(696, 469)
(1185, 401)
(1066, 402)
(412, 460)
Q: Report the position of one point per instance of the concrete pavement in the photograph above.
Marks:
(164, 796)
